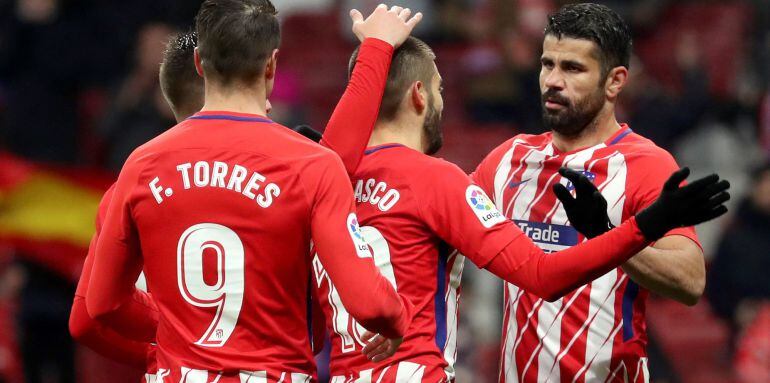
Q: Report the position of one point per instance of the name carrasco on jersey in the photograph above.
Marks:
(376, 193)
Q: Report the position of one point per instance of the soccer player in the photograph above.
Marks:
(183, 90)
(415, 210)
(220, 210)
(596, 333)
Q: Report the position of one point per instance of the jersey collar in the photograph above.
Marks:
(230, 116)
(377, 148)
(612, 140)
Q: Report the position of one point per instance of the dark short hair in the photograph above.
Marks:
(235, 38)
(181, 85)
(412, 61)
(598, 23)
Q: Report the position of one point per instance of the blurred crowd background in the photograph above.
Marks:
(79, 91)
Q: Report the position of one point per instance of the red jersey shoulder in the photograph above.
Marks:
(104, 205)
(484, 173)
(268, 139)
(645, 159)
(422, 170)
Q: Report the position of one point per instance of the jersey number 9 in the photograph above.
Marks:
(226, 294)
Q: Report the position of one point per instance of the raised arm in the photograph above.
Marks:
(353, 119)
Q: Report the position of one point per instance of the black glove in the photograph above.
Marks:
(587, 212)
(308, 132)
(698, 202)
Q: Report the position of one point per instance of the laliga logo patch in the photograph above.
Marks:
(590, 175)
(482, 206)
(362, 248)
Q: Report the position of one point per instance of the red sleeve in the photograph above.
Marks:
(367, 295)
(111, 297)
(650, 172)
(103, 340)
(92, 334)
(462, 214)
(551, 276)
(352, 121)
(89, 262)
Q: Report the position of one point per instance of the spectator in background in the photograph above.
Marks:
(139, 112)
(660, 113)
(738, 276)
(504, 82)
(42, 74)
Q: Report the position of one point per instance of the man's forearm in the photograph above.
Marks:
(673, 268)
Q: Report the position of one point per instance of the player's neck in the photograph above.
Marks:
(394, 132)
(600, 130)
(251, 100)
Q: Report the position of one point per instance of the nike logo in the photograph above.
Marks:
(512, 184)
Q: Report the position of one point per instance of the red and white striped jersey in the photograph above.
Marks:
(596, 333)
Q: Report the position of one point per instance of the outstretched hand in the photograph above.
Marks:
(390, 25)
(700, 201)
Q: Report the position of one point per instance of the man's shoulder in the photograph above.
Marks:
(497, 154)
(411, 168)
(270, 140)
(642, 151)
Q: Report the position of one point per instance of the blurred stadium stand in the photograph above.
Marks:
(76, 95)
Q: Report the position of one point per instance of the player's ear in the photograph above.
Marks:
(272, 64)
(418, 96)
(198, 65)
(616, 80)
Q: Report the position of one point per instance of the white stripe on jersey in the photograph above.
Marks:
(452, 299)
(548, 362)
(190, 375)
(254, 376)
(587, 368)
(644, 371)
(297, 377)
(527, 190)
(593, 311)
(509, 363)
(501, 175)
(157, 377)
(600, 328)
(365, 376)
(550, 314)
(406, 372)
(603, 289)
(598, 349)
(622, 364)
(409, 372)
(382, 374)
